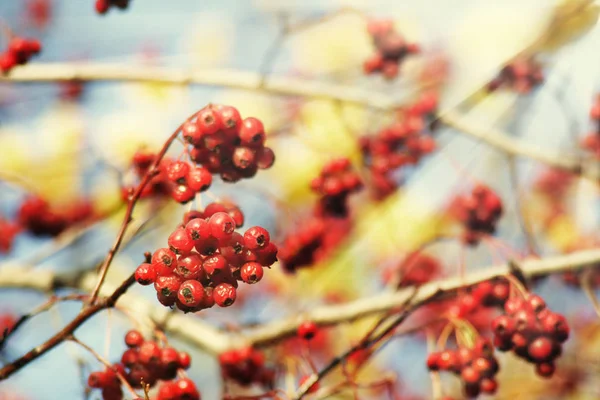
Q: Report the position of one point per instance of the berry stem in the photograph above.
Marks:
(132, 201)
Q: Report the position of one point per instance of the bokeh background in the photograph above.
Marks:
(65, 149)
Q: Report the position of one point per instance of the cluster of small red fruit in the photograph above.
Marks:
(391, 49)
(102, 6)
(532, 331)
(246, 366)
(19, 52)
(521, 75)
(479, 213)
(335, 183)
(145, 362)
(403, 143)
(476, 366)
(37, 216)
(206, 258)
(329, 223)
(591, 142)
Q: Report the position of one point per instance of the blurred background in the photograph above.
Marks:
(75, 141)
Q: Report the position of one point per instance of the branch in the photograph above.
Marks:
(505, 143)
(330, 315)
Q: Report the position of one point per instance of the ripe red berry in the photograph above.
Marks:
(208, 121)
(307, 330)
(251, 272)
(221, 225)
(164, 261)
(189, 267)
(186, 389)
(545, 370)
(224, 294)
(230, 118)
(180, 241)
(215, 265)
(541, 349)
(256, 237)
(199, 179)
(183, 194)
(252, 133)
(470, 375)
(134, 338)
(167, 286)
(145, 274)
(265, 158)
(149, 352)
(185, 360)
(177, 171)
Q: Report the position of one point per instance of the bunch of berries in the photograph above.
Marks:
(312, 242)
(181, 389)
(8, 231)
(102, 6)
(335, 183)
(476, 366)
(532, 331)
(246, 366)
(19, 52)
(401, 144)
(479, 213)
(226, 144)
(179, 179)
(206, 258)
(415, 270)
(144, 361)
(38, 217)
(491, 293)
(521, 75)
(391, 49)
(591, 142)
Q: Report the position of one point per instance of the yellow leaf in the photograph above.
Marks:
(572, 18)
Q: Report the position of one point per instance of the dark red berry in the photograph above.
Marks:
(307, 330)
(145, 274)
(224, 294)
(221, 225)
(251, 272)
(180, 241)
(256, 237)
(134, 338)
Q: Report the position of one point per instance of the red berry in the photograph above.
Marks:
(536, 303)
(185, 360)
(555, 325)
(180, 241)
(134, 338)
(167, 286)
(198, 229)
(164, 261)
(265, 158)
(145, 274)
(183, 194)
(230, 118)
(177, 171)
(97, 380)
(307, 330)
(252, 272)
(470, 375)
(545, 370)
(215, 265)
(252, 133)
(199, 179)
(189, 267)
(102, 6)
(149, 352)
(541, 349)
(256, 237)
(489, 386)
(186, 389)
(208, 121)
(221, 225)
(243, 157)
(224, 294)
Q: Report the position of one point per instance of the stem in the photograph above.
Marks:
(85, 314)
(133, 199)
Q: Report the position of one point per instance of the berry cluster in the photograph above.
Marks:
(312, 242)
(391, 49)
(491, 293)
(591, 142)
(479, 212)
(102, 6)
(8, 231)
(206, 258)
(414, 270)
(532, 331)
(401, 144)
(226, 144)
(521, 75)
(246, 366)
(145, 362)
(181, 389)
(476, 366)
(335, 183)
(19, 52)
(38, 217)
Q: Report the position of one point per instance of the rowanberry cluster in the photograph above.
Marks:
(246, 366)
(401, 144)
(312, 242)
(591, 142)
(226, 144)
(145, 362)
(532, 332)
(38, 217)
(8, 231)
(415, 270)
(391, 49)
(334, 184)
(159, 184)
(479, 213)
(181, 389)
(477, 366)
(521, 75)
(206, 258)
(102, 6)
(19, 52)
